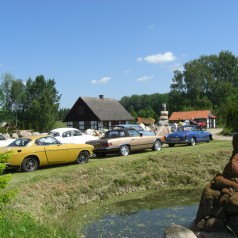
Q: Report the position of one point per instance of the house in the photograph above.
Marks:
(97, 113)
(203, 116)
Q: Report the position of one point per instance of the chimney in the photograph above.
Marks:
(101, 97)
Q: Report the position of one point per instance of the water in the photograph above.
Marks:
(142, 216)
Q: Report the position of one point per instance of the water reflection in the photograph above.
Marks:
(144, 215)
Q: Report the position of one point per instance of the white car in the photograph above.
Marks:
(4, 141)
(71, 135)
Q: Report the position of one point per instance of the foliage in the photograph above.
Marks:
(32, 104)
(4, 179)
(210, 82)
(148, 106)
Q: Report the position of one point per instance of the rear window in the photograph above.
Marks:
(115, 134)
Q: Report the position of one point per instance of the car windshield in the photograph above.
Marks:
(20, 142)
(186, 128)
(53, 133)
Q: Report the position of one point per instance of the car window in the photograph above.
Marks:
(55, 134)
(138, 128)
(134, 133)
(2, 137)
(46, 141)
(77, 133)
(20, 142)
(66, 134)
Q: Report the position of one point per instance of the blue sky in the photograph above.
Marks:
(111, 47)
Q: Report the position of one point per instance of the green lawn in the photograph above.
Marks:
(48, 193)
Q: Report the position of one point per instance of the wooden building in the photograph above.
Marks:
(203, 116)
(97, 113)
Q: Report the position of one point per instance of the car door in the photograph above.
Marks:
(55, 152)
(201, 135)
(138, 141)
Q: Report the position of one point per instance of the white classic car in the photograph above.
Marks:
(4, 141)
(71, 135)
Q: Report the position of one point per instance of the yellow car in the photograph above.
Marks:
(29, 153)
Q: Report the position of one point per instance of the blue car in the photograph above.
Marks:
(190, 135)
(137, 127)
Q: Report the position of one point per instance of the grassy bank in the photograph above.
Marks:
(48, 193)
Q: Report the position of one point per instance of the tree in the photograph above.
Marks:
(209, 82)
(42, 103)
(34, 103)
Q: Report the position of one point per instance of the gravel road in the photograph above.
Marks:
(215, 134)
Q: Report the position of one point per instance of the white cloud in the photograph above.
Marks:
(103, 80)
(145, 78)
(158, 59)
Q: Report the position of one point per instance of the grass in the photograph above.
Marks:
(49, 193)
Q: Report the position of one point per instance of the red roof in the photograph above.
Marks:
(176, 116)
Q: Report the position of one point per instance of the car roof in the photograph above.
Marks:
(63, 129)
(34, 137)
(127, 125)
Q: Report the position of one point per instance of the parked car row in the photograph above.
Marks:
(69, 145)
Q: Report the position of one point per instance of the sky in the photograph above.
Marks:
(114, 48)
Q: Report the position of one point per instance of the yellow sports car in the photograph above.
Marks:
(29, 153)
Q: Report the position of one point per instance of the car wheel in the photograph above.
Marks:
(192, 142)
(124, 150)
(29, 164)
(83, 157)
(157, 145)
(208, 140)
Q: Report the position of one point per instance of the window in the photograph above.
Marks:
(134, 133)
(77, 133)
(66, 134)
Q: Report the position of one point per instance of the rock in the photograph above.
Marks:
(218, 207)
(177, 231)
(15, 136)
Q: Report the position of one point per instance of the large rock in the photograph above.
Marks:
(177, 231)
(218, 207)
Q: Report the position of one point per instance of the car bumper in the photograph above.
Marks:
(176, 142)
(106, 150)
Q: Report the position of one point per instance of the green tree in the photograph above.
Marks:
(209, 82)
(42, 103)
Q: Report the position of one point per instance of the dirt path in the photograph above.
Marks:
(216, 136)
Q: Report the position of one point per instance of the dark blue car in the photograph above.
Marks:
(190, 135)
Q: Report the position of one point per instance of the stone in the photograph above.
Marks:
(177, 231)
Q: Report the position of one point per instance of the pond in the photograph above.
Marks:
(141, 215)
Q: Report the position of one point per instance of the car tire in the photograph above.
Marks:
(157, 145)
(83, 157)
(29, 164)
(192, 142)
(124, 150)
